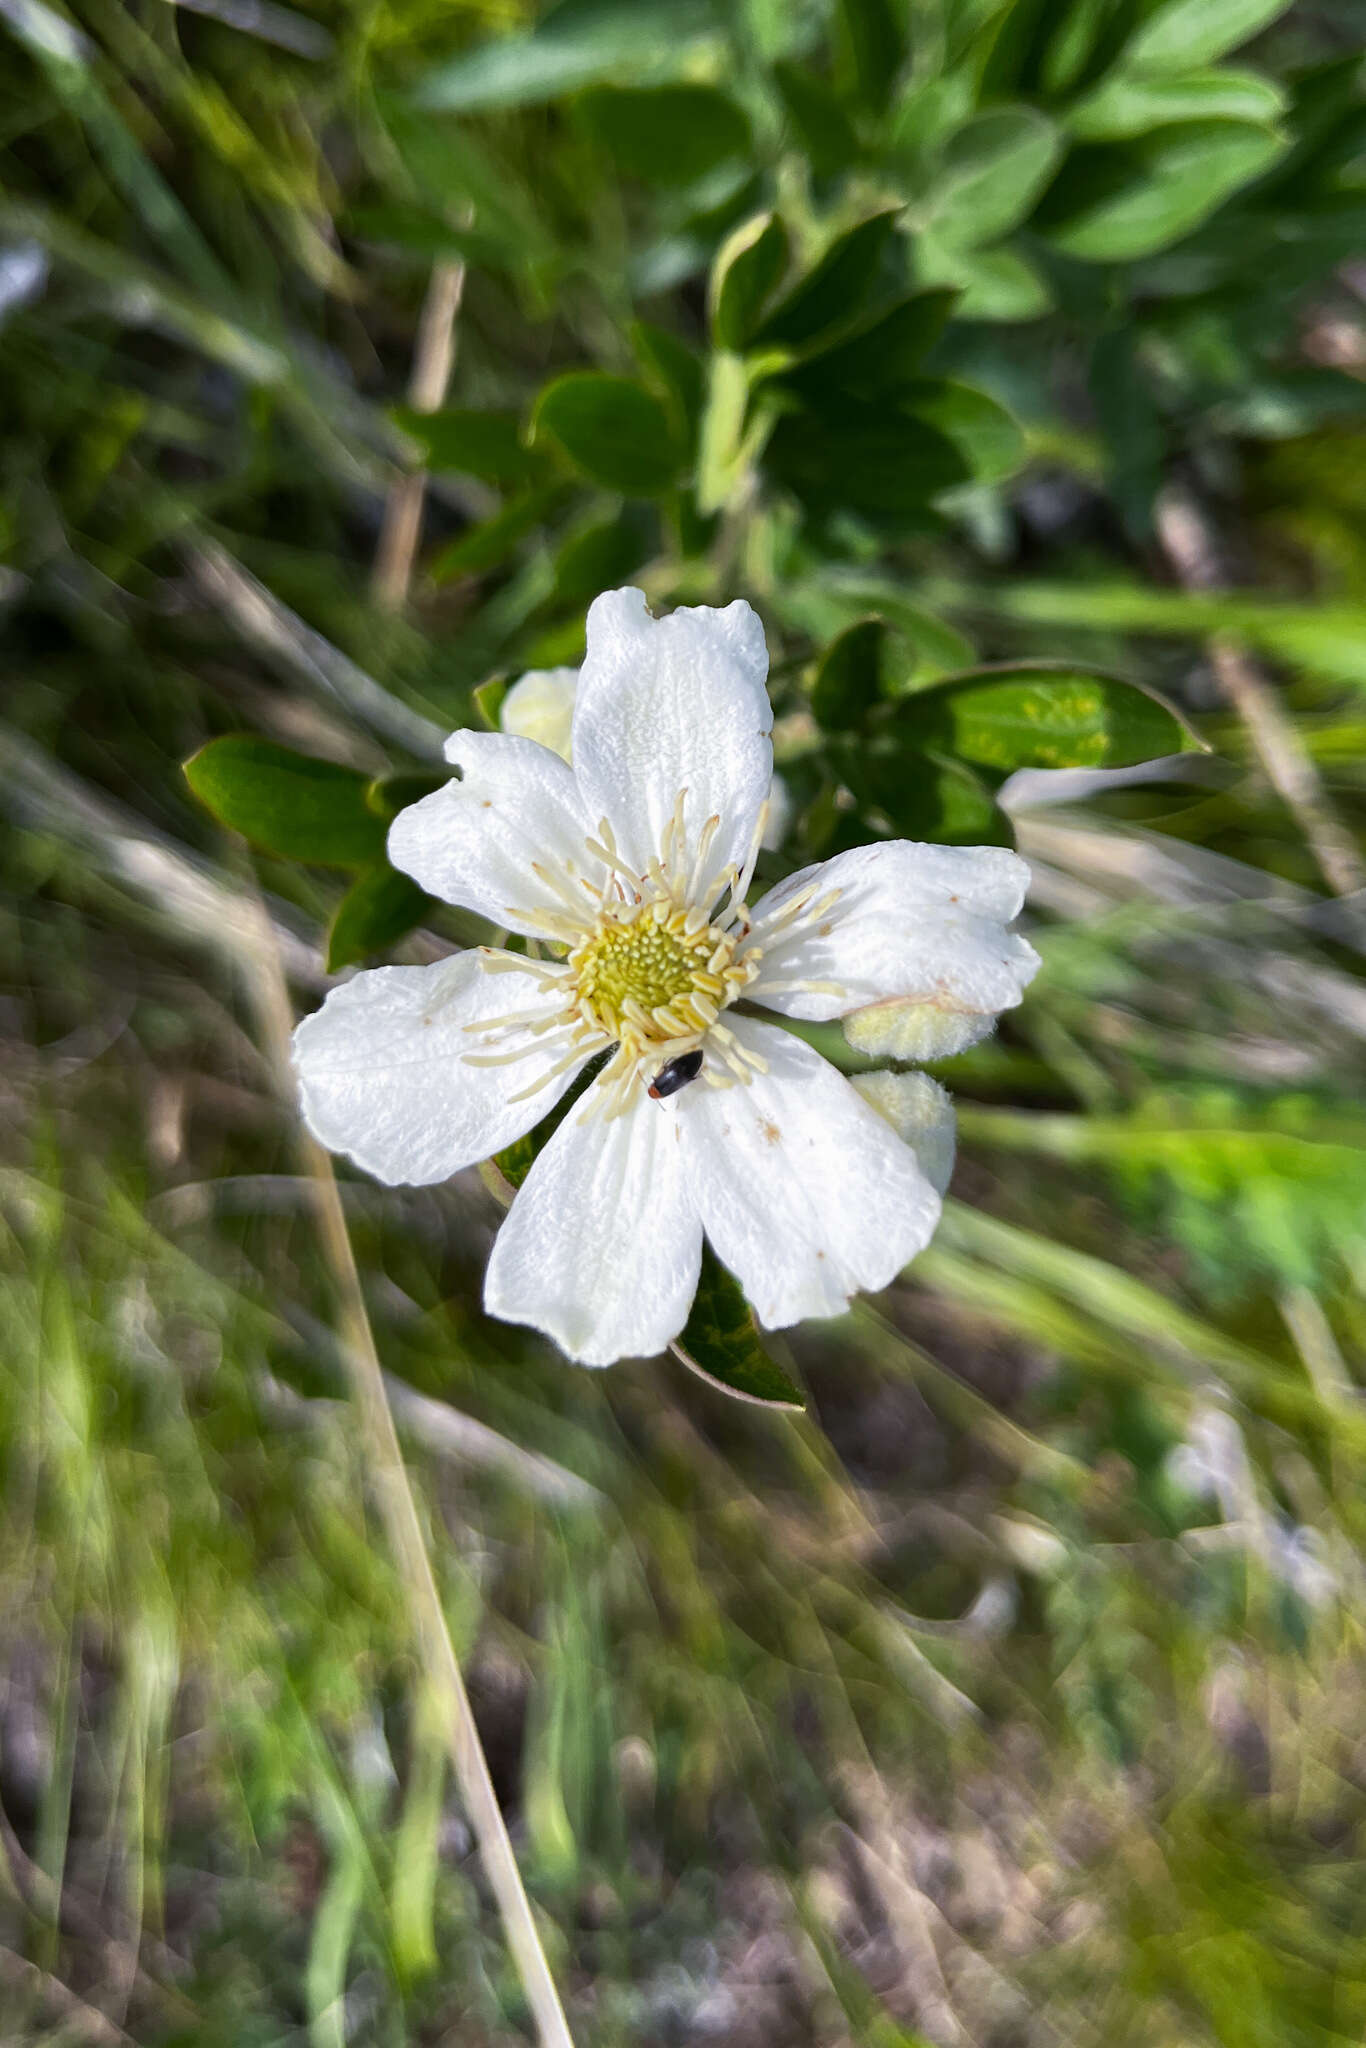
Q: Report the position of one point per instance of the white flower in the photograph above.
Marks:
(540, 706)
(628, 873)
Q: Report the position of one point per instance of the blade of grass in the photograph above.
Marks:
(403, 1527)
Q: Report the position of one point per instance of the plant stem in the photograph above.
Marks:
(433, 357)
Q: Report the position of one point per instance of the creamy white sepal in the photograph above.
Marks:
(921, 1114)
(909, 1030)
(911, 922)
(806, 1193)
(540, 706)
(478, 841)
(673, 704)
(383, 1077)
(602, 1247)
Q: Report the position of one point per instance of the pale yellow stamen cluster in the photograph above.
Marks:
(651, 961)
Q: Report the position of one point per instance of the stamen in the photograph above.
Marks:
(516, 1020)
(495, 962)
(575, 1057)
(560, 885)
(554, 924)
(704, 844)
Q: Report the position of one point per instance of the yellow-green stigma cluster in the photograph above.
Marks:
(652, 974)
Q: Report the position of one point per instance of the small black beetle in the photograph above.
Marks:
(676, 1074)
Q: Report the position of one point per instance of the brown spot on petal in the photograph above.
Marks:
(770, 1131)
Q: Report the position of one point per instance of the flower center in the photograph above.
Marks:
(651, 973)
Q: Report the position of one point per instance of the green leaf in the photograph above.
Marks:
(602, 554)
(881, 356)
(613, 429)
(992, 284)
(573, 45)
(833, 293)
(922, 794)
(1185, 33)
(1131, 426)
(748, 268)
(667, 134)
(1125, 106)
(488, 445)
(721, 1343)
(864, 458)
(492, 540)
(390, 794)
(823, 128)
(872, 45)
(992, 171)
(288, 804)
(381, 906)
(488, 701)
(1041, 715)
(1114, 204)
(675, 368)
(983, 432)
(848, 682)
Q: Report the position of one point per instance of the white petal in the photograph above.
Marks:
(807, 1194)
(540, 707)
(602, 1247)
(921, 1114)
(920, 923)
(674, 704)
(383, 1078)
(474, 841)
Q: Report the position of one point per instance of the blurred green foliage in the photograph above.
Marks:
(1010, 1693)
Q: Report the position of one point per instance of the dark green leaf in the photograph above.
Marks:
(992, 284)
(483, 444)
(1041, 715)
(721, 1343)
(849, 679)
(1184, 33)
(1124, 105)
(881, 356)
(992, 171)
(390, 794)
(1131, 427)
(823, 128)
(873, 45)
(748, 268)
(490, 542)
(675, 368)
(601, 555)
(613, 429)
(922, 794)
(833, 294)
(573, 45)
(982, 431)
(286, 803)
(488, 701)
(1114, 204)
(865, 458)
(381, 906)
(667, 134)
